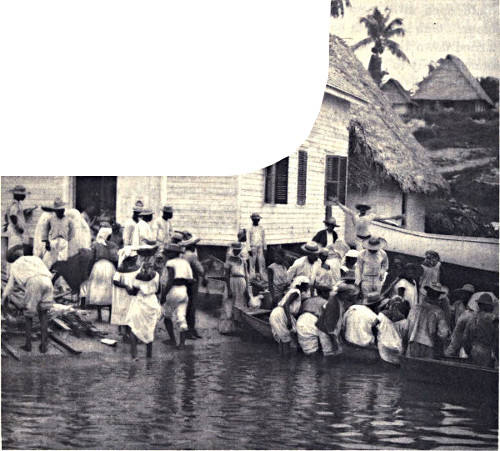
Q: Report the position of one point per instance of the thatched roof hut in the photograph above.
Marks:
(380, 145)
(452, 85)
(395, 92)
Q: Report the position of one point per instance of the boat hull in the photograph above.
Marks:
(448, 373)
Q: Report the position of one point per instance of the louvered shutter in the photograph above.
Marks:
(302, 178)
(269, 185)
(281, 182)
(342, 179)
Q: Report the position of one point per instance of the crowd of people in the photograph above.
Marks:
(332, 295)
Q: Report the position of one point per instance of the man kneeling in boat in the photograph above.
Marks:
(360, 321)
(30, 284)
(309, 336)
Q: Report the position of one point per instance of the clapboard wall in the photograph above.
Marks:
(293, 223)
(44, 189)
(206, 206)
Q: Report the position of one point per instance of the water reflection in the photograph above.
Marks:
(234, 395)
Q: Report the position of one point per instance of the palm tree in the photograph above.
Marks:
(337, 7)
(380, 30)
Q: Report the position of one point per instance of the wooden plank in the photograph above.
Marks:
(61, 324)
(10, 350)
(65, 345)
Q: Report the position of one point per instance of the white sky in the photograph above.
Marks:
(434, 28)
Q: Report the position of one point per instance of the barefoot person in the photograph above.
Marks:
(257, 243)
(372, 266)
(362, 221)
(17, 217)
(30, 287)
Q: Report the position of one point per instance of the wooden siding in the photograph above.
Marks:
(206, 206)
(293, 223)
(129, 189)
(44, 189)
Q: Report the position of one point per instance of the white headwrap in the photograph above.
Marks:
(127, 251)
(103, 235)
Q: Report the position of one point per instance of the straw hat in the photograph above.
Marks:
(353, 253)
(145, 250)
(331, 221)
(255, 216)
(173, 247)
(351, 290)
(138, 206)
(485, 299)
(467, 289)
(19, 189)
(191, 240)
(363, 207)
(146, 212)
(374, 243)
(372, 298)
(167, 209)
(310, 248)
(435, 287)
(57, 205)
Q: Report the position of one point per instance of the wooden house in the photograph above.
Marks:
(451, 85)
(294, 195)
(398, 96)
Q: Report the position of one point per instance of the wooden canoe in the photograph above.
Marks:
(258, 320)
(450, 372)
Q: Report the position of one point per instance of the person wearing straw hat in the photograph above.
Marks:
(258, 247)
(480, 339)
(362, 221)
(191, 255)
(307, 265)
(17, 217)
(162, 226)
(372, 266)
(57, 233)
(328, 236)
(143, 233)
(29, 286)
(131, 224)
(426, 325)
(237, 284)
(458, 300)
(283, 317)
(175, 302)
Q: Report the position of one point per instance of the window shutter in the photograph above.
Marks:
(269, 185)
(281, 182)
(342, 179)
(302, 178)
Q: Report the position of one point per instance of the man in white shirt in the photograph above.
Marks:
(257, 243)
(131, 224)
(17, 217)
(143, 233)
(162, 226)
(307, 265)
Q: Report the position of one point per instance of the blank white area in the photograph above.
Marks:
(184, 87)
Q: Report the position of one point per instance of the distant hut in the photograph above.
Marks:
(451, 85)
(388, 168)
(398, 96)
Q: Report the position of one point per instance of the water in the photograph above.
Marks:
(232, 395)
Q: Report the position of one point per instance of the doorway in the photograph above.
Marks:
(99, 192)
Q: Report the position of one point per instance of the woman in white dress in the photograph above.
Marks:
(145, 310)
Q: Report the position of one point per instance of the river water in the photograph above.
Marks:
(231, 395)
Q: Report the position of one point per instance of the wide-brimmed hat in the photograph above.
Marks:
(372, 298)
(331, 221)
(485, 299)
(57, 205)
(436, 287)
(14, 252)
(19, 189)
(343, 287)
(374, 243)
(310, 248)
(255, 216)
(177, 237)
(191, 240)
(146, 212)
(138, 206)
(363, 207)
(467, 289)
(167, 209)
(173, 247)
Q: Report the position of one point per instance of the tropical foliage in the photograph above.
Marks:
(381, 30)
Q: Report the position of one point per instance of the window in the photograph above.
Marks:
(276, 188)
(404, 208)
(302, 178)
(335, 178)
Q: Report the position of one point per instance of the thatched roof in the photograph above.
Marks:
(395, 92)
(451, 80)
(379, 140)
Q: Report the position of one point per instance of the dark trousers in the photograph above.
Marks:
(192, 290)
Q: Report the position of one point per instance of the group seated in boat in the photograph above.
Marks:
(335, 298)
